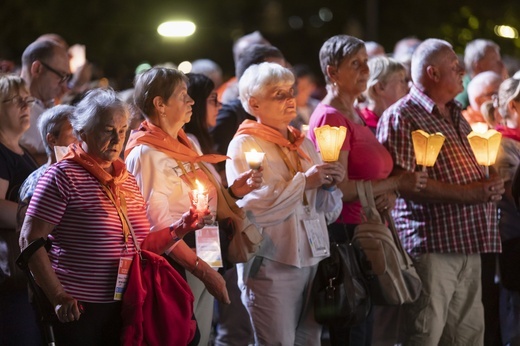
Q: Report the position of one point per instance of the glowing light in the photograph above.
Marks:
(176, 29)
(185, 67)
(506, 31)
(325, 14)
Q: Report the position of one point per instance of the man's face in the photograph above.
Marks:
(52, 76)
(451, 73)
(492, 61)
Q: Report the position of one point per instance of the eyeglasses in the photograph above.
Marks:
(64, 77)
(21, 102)
(214, 101)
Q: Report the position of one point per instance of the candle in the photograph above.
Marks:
(200, 197)
(254, 159)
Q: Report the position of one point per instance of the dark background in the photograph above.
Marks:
(120, 34)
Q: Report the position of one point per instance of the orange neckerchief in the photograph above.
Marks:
(253, 128)
(113, 181)
(179, 149)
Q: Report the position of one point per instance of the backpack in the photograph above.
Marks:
(388, 268)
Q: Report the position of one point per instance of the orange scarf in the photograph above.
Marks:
(253, 128)
(179, 149)
(113, 181)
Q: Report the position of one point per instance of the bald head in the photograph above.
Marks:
(482, 87)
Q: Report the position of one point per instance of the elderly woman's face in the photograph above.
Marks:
(105, 141)
(352, 74)
(275, 106)
(15, 112)
(178, 106)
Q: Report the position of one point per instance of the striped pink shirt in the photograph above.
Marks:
(88, 239)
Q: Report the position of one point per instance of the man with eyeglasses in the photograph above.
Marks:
(45, 69)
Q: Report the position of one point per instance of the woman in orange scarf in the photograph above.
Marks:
(290, 207)
(80, 203)
(167, 166)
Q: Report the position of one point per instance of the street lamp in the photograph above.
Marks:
(177, 28)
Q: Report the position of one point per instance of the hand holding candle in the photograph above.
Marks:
(254, 159)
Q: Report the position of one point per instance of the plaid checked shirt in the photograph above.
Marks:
(438, 227)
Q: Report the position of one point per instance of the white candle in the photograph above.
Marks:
(254, 158)
(200, 197)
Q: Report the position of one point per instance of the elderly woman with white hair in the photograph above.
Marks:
(386, 85)
(298, 188)
(78, 203)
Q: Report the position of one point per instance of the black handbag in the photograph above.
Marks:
(341, 295)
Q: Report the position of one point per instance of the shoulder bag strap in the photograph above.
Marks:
(391, 225)
(366, 196)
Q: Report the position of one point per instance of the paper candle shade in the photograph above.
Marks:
(485, 146)
(330, 140)
(254, 158)
(427, 147)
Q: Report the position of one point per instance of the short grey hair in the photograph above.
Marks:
(258, 77)
(96, 104)
(480, 82)
(381, 68)
(51, 121)
(336, 49)
(476, 50)
(429, 52)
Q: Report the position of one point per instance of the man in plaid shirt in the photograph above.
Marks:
(452, 220)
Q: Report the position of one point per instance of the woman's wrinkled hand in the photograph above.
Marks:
(246, 182)
(213, 281)
(412, 182)
(192, 220)
(67, 308)
(325, 174)
(385, 201)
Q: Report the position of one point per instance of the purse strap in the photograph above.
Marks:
(224, 198)
(366, 197)
(391, 226)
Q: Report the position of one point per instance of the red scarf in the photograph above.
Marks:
(253, 128)
(179, 149)
(509, 132)
(113, 181)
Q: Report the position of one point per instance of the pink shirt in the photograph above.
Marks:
(88, 239)
(367, 159)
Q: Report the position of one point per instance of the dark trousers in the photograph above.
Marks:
(100, 324)
(490, 300)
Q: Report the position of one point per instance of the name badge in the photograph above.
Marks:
(122, 277)
(208, 246)
(317, 239)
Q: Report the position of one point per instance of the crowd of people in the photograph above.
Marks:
(97, 171)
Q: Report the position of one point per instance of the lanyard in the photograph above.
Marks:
(291, 168)
(190, 179)
(121, 211)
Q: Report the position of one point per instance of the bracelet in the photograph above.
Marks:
(330, 189)
(232, 194)
(196, 266)
(174, 235)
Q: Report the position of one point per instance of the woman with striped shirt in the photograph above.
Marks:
(76, 205)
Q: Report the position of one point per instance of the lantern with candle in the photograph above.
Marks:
(485, 147)
(426, 147)
(200, 197)
(330, 139)
(254, 159)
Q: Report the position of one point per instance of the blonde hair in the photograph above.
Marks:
(508, 91)
(10, 85)
(381, 69)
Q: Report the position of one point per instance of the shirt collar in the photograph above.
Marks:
(428, 104)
